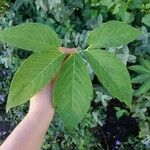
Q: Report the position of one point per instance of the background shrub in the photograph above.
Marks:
(73, 20)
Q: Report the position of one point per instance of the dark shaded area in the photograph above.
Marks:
(115, 131)
(22, 54)
(5, 129)
(2, 109)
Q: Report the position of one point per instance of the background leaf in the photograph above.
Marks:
(143, 76)
(139, 69)
(146, 20)
(112, 34)
(73, 91)
(144, 88)
(112, 73)
(31, 36)
(32, 76)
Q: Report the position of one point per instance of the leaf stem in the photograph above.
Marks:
(68, 50)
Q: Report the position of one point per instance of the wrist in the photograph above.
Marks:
(41, 106)
(46, 113)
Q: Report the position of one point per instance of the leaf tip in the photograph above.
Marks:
(129, 104)
(70, 128)
(7, 109)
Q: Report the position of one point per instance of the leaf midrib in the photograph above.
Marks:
(73, 83)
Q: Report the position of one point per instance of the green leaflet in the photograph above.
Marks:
(32, 76)
(112, 34)
(31, 36)
(112, 73)
(73, 91)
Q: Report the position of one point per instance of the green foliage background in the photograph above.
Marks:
(73, 20)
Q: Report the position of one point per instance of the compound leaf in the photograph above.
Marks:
(73, 91)
(31, 36)
(112, 73)
(34, 73)
(112, 34)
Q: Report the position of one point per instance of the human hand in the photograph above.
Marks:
(30, 132)
(42, 102)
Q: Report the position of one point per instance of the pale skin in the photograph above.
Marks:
(30, 132)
